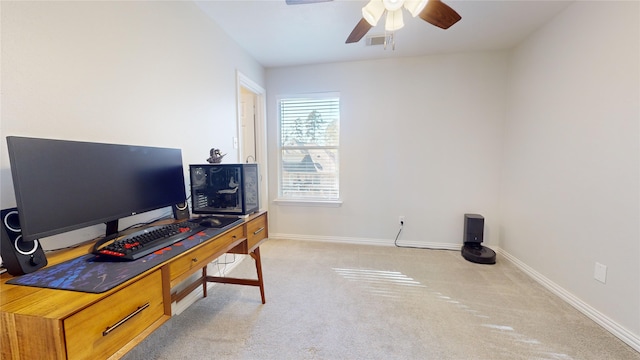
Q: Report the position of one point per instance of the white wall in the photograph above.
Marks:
(571, 173)
(148, 73)
(419, 137)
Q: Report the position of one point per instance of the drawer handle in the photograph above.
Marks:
(258, 231)
(195, 260)
(128, 317)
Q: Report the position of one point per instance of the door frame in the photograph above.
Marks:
(260, 131)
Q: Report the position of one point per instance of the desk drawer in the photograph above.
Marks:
(101, 329)
(256, 231)
(199, 258)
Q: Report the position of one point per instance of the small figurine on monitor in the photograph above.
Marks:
(215, 156)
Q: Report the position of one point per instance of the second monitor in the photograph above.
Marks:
(229, 189)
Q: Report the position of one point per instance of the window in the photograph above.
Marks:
(309, 139)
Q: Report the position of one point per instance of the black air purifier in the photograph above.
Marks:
(472, 249)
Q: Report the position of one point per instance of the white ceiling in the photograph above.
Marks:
(277, 34)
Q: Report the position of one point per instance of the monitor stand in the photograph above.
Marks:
(112, 228)
(477, 253)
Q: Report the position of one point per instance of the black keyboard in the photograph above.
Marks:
(144, 242)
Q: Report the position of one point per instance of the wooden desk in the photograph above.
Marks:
(39, 323)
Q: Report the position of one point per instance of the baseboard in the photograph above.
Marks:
(613, 327)
(367, 241)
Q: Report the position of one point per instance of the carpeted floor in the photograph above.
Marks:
(339, 301)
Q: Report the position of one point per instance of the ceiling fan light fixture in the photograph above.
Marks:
(415, 6)
(435, 12)
(394, 20)
(373, 11)
(392, 5)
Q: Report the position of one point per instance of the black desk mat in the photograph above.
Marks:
(91, 274)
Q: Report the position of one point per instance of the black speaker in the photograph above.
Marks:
(18, 257)
(473, 228)
(181, 211)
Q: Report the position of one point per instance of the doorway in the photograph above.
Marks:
(252, 130)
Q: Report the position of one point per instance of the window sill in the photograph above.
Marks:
(320, 203)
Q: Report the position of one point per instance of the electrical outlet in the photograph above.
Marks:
(401, 220)
(600, 273)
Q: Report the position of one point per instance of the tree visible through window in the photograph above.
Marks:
(309, 139)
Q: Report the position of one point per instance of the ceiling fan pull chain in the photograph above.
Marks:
(389, 38)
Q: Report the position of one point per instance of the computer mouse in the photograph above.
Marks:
(210, 222)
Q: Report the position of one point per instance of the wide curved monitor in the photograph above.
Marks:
(62, 185)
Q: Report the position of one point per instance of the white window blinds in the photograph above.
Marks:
(309, 139)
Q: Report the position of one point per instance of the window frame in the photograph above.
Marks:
(307, 201)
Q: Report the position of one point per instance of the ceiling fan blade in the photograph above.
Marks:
(359, 31)
(439, 14)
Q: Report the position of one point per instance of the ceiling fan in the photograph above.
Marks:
(434, 12)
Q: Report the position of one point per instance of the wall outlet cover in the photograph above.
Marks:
(600, 273)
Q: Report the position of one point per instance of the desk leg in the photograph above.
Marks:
(204, 281)
(256, 256)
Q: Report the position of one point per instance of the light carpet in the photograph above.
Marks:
(341, 301)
